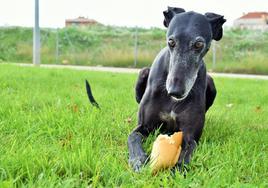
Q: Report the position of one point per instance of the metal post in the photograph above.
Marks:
(36, 36)
(213, 55)
(136, 48)
(57, 46)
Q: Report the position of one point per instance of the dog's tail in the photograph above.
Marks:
(90, 96)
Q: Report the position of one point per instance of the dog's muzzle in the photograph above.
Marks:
(178, 94)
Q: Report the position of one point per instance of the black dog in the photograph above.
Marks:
(175, 93)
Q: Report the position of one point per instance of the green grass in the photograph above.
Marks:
(51, 137)
(239, 51)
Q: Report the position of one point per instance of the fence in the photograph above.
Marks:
(238, 51)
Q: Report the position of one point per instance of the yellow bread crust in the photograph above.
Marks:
(166, 151)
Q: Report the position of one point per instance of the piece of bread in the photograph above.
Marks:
(166, 151)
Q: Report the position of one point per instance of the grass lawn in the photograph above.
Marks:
(51, 137)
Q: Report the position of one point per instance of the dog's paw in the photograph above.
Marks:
(137, 162)
(181, 168)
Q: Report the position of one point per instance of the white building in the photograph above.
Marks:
(253, 20)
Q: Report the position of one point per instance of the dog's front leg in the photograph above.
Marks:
(189, 145)
(137, 156)
(188, 148)
(192, 127)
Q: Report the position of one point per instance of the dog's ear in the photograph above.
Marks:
(170, 13)
(216, 21)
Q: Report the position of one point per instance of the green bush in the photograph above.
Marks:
(239, 50)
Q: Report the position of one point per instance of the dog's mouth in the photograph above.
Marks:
(177, 95)
(179, 98)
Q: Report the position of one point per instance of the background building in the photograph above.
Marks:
(80, 21)
(253, 20)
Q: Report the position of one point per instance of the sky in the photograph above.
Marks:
(142, 13)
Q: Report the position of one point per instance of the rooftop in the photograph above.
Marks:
(254, 15)
(81, 19)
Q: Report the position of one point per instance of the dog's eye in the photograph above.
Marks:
(171, 43)
(198, 45)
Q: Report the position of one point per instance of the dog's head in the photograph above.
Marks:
(189, 35)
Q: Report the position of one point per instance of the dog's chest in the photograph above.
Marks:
(170, 122)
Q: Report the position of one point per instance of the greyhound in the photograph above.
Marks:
(175, 93)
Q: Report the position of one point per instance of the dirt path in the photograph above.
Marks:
(133, 70)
